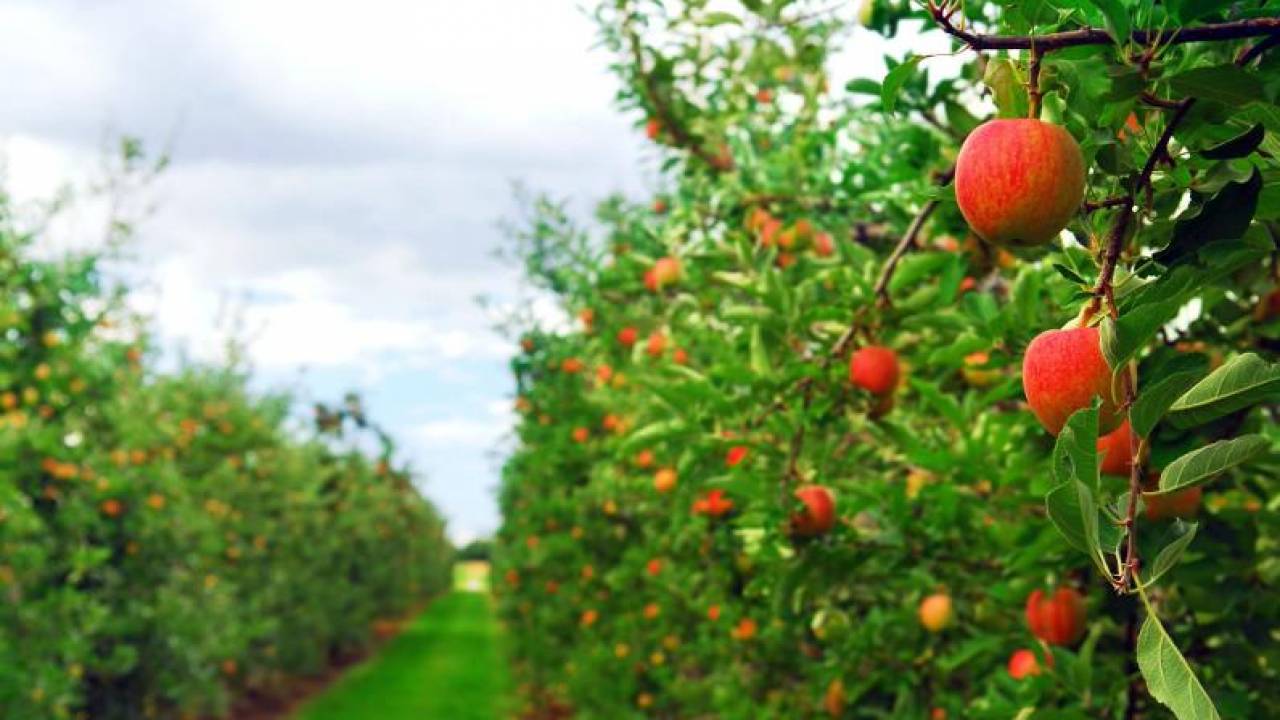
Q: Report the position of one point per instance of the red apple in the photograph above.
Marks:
(736, 455)
(1058, 619)
(819, 513)
(657, 344)
(1019, 182)
(653, 128)
(824, 245)
(874, 369)
(1114, 450)
(1062, 372)
(627, 336)
(1181, 504)
(1023, 664)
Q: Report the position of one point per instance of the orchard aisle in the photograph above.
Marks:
(448, 665)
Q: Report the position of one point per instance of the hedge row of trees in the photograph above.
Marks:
(785, 465)
(170, 541)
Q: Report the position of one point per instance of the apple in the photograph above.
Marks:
(1268, 306)
(764, 96)
(770, 228)
(756, 219)
(588, 318)
(974, 372)
(1182, 504)
(643, 459)
(1019, 181)
(1023, 663)
(666, 271)
(823, 245)
(819, 513)
(657, 344)
(680, 356)
(653, 128)
(627, 336)
(664, 481)
(581, 434)
(1114, 449)
(735, 456)
(1062, 372)
(935, 612)
(874, 369)
(659, 206)
(654, 567)
(1058, 619)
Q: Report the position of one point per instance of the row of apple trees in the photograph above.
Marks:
(800, 456)
(173, 541)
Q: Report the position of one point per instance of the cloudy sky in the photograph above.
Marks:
(339, 170)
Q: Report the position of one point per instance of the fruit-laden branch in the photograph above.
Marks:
(1103, 291)
(1234, 30)
(680, 136)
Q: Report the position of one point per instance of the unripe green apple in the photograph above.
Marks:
(1062, 372)
(1019, 182)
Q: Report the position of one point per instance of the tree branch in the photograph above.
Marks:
(1235, 30)
(908, 240)
(680, 136)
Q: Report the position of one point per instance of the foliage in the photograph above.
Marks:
(171, 540)
(624, 600)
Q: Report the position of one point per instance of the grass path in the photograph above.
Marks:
(446, 666)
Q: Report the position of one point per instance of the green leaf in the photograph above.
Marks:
(1239, 146)
(893, 82)
(1183, 534)
(1006, 87)
(1069, 274)
(1155, 401)
(759, 358)
(864, 86)
(713, 19)
(1117, 18)
(1225, 216)
(1242, 381)
(915, 268)
(650, 433)
(1071, 505)
(1200, 466)
(1169, 677)
(1227, 84)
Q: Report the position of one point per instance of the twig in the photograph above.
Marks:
(1235, 30)
(1111, 202)
(908, 240)
(680, 136)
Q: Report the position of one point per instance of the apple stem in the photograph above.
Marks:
(1034, 98)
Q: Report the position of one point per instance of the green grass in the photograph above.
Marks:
(447, 665)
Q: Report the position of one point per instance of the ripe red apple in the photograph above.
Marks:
(664, 481)
(680, 356)
(588, 318)
(824, 245)
(1058, 619)
(764, 96)
(1114, 450)
(819, 513)
(874, 369)
(666, 271)
(1062, 372)
(736, 455)
(653, 128)
(770, 228)
(657, 344)
(935, 612)
(1019, 182)
(1181, 504)
(581, 434)
(1023, 664)
(627, 336)
(659, 206)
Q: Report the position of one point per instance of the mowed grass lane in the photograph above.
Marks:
(447, 665)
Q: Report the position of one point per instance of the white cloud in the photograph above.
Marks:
(453, 432)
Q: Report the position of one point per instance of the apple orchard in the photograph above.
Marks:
(932, 394)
